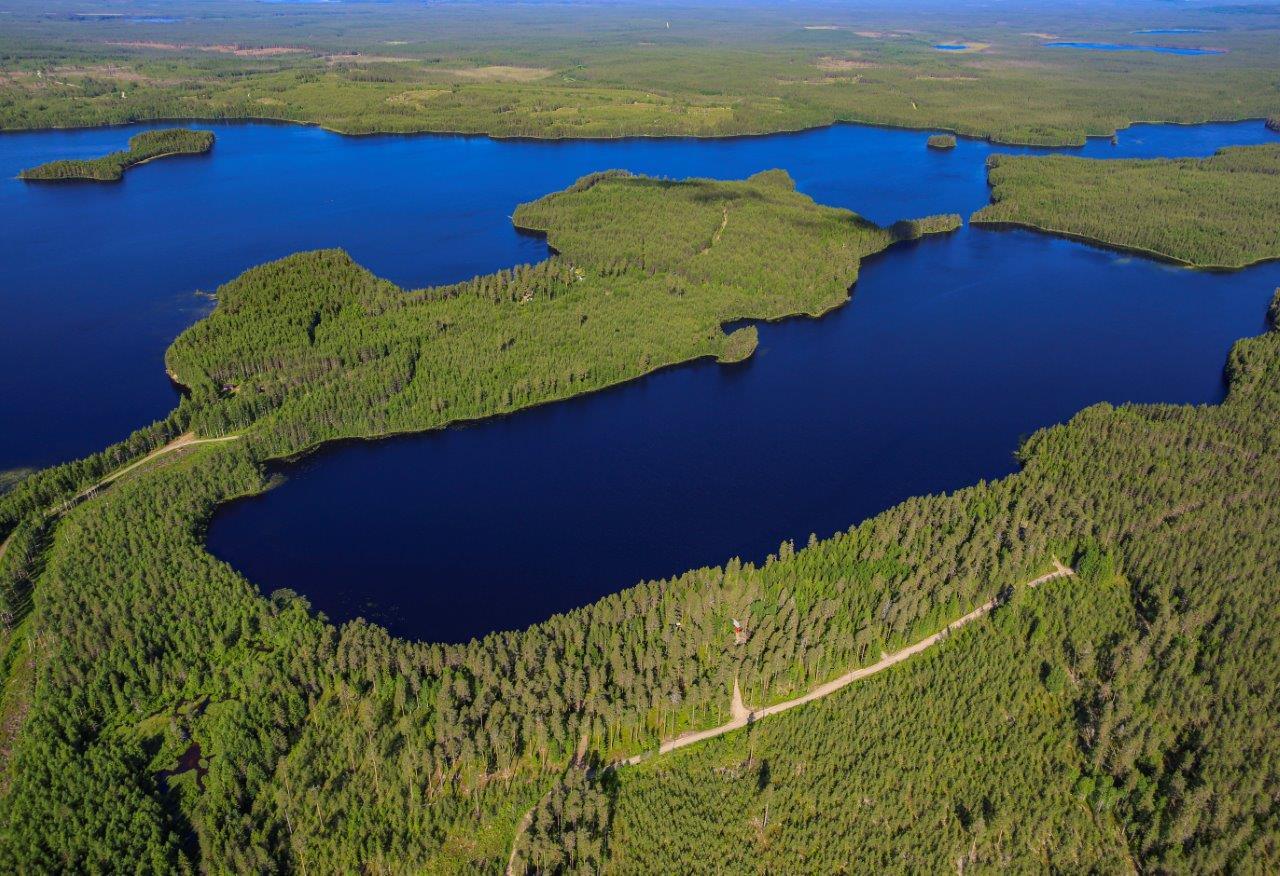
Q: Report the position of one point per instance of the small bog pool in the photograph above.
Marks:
(1129, 47)
(950, 47)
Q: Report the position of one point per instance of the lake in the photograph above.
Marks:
(951, 351)
(1128, 47)
(100, 277)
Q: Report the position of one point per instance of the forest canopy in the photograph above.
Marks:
(646, 273)
(1221, 211)
(147, 146)
(161, 711)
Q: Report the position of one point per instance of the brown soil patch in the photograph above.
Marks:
(241, 51)
(835, 64)
(823, 80)
(255, 52)
(417, 97)
(369, 59)
(502, 73)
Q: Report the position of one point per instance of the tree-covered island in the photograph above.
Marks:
(1216, 212)
(144, 147)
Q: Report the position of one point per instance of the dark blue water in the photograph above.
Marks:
(951, 47)
(952, 350)
(99, 278)
(1128, 47)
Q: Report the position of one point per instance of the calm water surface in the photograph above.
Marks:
(1130, 47)
(98, 278)
(951, 351)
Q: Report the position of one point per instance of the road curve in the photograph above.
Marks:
(742, 715)
(187, 439)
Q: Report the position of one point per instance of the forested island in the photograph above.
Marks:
(941, 141)
(144, 147)
(1116, 719)
(1222, 211)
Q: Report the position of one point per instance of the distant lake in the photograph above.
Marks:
(1169, 30)
(951, 351)
(951, 47)
(1129, 47)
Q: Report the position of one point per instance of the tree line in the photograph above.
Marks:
(1221, 211)
(1134, 702)
(146, 146)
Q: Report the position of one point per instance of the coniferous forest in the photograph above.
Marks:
(147, 146)
(1222, 211)
(158, 709)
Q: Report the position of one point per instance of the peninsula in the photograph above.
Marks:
(144, 147)
(1216, 212)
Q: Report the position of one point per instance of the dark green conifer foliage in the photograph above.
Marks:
(1127, 714)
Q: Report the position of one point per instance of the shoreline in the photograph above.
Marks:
(1077, 237)
(274, 465)
(125, 165)
(991, 139)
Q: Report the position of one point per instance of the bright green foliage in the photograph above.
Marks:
(51, 487)
(19, 566)
(567, 831)
(961, 758)
(313, 347)
(941, 141)
(1128, 713)
(1094, 724)
(1222, 211)
(146, 146)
